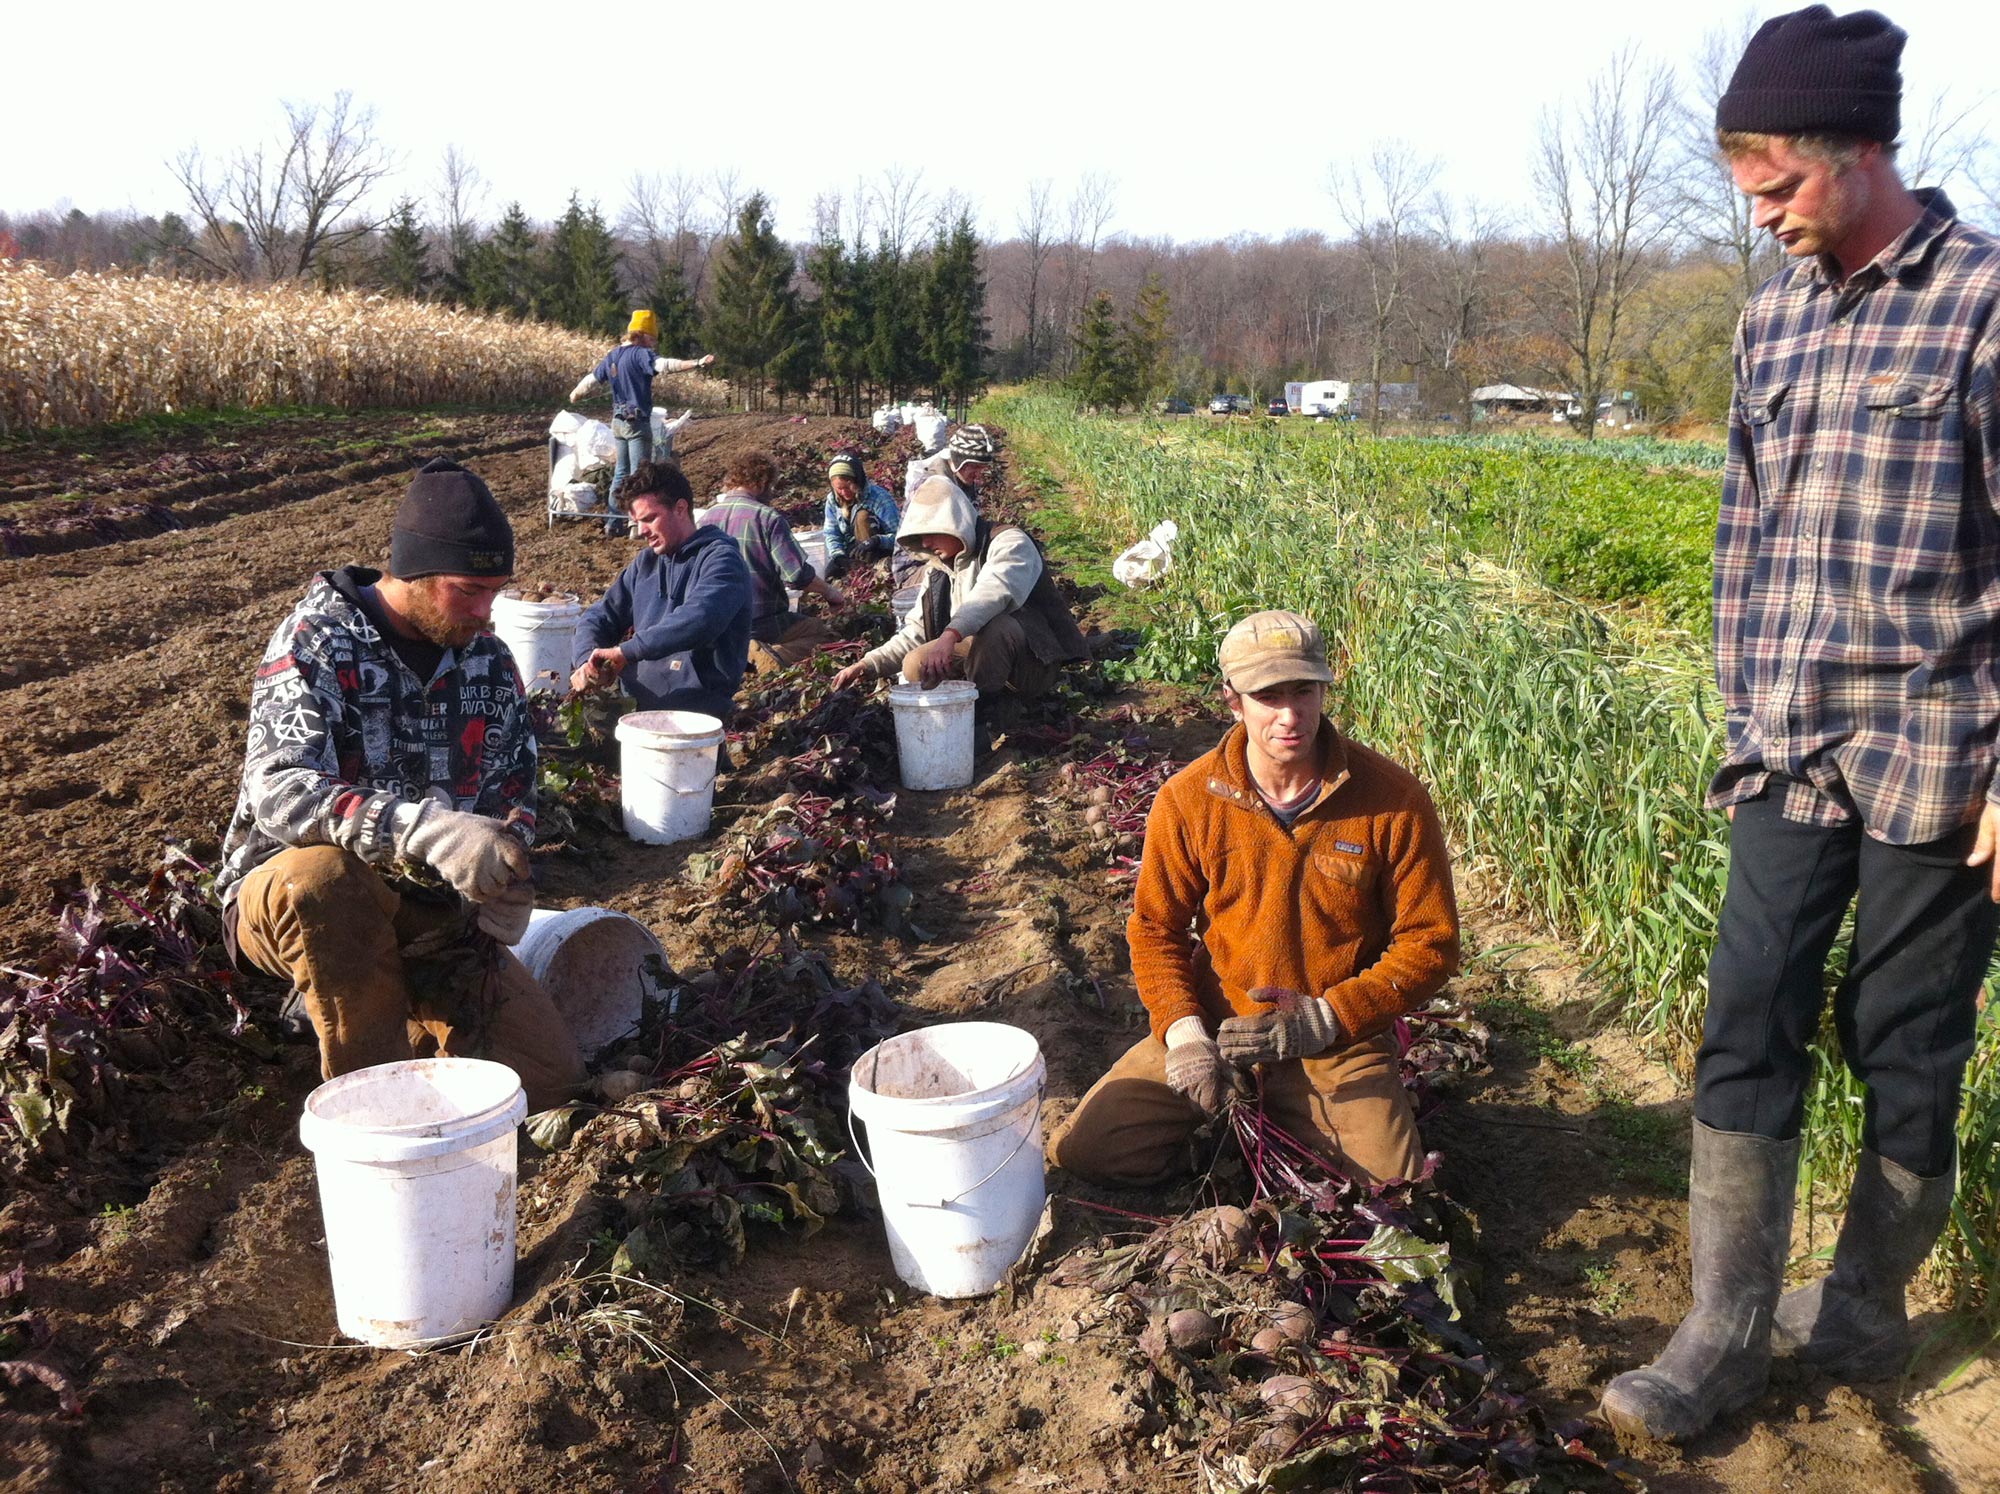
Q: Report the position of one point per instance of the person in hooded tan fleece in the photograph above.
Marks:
(988, 612)
(1294, 900)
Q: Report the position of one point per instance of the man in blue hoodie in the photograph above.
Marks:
(684, 601)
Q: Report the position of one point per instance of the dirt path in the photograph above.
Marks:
(188, 1281)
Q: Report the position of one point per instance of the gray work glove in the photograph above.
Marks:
(481, 858)
(1198, 1071)
(1300, 1027)
(506, 917)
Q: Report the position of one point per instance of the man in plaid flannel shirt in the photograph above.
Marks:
(1857, 641)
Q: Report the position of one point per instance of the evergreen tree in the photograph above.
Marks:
(1149, 342)
(505, 272)
(894, 336)
(840, 320)
(956, 345)
(1103, 377)
(673, 303)
(405, 266)
(755, 328)
(582, 274)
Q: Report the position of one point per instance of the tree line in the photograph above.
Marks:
(1624, 276)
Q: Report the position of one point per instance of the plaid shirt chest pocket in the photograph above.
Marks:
(1912, 442)
(1765, 412)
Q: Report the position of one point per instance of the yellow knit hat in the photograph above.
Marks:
(644, 321)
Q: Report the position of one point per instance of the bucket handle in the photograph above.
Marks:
(1041, 1091)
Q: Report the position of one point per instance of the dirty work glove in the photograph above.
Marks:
(506, 917)
(1197, 1070)
(481, 858)
(1300, 1027)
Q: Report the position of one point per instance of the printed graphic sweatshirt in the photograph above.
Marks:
(345, 740)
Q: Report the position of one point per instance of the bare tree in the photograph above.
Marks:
(1706, 204)
(1381, 204)
(1603, 175)
(1089, 213)
(1033, 225)
(899, 203)
(1452, 287)
(281, 210)
(460, 194)
(1947, 144)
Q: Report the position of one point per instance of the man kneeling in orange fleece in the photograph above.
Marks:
(1294, 899)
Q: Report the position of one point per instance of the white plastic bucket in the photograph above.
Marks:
(666, 772)
(592, 962)
(541, 636)
(954, 1117)
(416, 1188)
(934, 738)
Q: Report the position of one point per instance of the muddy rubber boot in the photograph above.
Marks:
(992, 718)
(1853, 1323)
(1740, 1226)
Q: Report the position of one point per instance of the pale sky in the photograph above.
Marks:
(1211, 119)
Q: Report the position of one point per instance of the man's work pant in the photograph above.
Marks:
(322, 918)
(634, 440)
(1905, 1013)
(784, 638)
(995, 658)
(1348, 1104)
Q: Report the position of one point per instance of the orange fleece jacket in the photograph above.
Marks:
(1353, 903)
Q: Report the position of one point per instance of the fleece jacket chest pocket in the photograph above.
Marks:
(1343, 883)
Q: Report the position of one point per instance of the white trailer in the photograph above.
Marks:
(1322, 397)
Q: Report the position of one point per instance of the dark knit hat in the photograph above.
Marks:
(450, 524)
(1813, 72)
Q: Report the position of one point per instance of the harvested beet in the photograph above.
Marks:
(1275, 1441)
(1270, 1341)
(1224, 1234)
(619, 1085)
(1295, 1320)
(1192, 1329)
(1293, 1394)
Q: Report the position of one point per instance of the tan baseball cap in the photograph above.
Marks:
(1271, 648)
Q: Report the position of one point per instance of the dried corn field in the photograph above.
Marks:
(88, 348)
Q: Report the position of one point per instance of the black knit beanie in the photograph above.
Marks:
(450, 524)
(1813, 72)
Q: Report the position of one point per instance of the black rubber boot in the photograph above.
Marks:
(1853, 1324)
(1740, 1226)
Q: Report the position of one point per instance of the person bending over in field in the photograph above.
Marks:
(675, 625)
(860, 519)
(1295, 898)
(778, 635)
(988, 612)
(378, 854)
(630, 369)
(1857, 648)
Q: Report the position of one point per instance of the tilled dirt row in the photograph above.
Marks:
(189, 1286)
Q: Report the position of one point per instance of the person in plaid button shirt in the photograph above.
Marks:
(1857, 618)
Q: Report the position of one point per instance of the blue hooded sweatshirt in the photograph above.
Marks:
(689, 617)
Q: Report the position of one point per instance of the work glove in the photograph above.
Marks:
(1299, 1027)
(1197, 1070)
(480, 857)
(506, 917)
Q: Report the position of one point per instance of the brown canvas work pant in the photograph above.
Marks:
(322, 918)
(994, 658)
(1131, 1130)
(796, 638)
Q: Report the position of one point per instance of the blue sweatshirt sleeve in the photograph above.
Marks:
(607, 620)
(719, 589)
(830, 529)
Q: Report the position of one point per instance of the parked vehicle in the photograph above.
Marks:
(1230, 404)
(1322, 398)
(1175, 406)
(1277, 407)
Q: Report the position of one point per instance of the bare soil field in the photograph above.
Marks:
(182, 1266)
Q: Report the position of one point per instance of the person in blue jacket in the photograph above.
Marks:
(684, 601)
(630, 369)
(861, 516)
